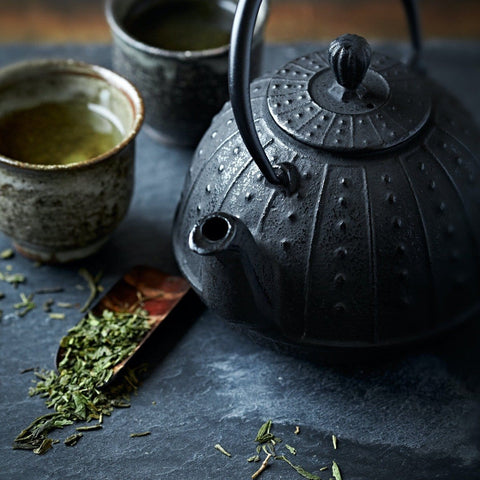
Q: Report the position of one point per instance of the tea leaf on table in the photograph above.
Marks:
(90, 351)
(291, 449)
(140, 434)
(334, 441)
(13, 278)
(222, 450)
(72, 440)
(25, 305)
(42, 291)
(44, 446)
(88, 428)
(7, 253)
(297, 430)
(336, 471)
(92, 285)
(299, 469)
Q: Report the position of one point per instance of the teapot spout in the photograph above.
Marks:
(235, 271)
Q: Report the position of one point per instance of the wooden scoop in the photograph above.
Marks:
(142, 287)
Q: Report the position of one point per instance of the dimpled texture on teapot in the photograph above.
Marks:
(370, 251)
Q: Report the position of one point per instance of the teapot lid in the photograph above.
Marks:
(348, 100)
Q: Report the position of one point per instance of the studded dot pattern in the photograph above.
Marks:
(324, 122)
(369, 251)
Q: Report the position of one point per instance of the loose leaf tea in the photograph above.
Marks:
(299, 469)
(336, 471)
(140, 434)
(91, 349)
(222, 450)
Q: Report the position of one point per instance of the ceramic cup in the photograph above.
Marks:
(59, 213)
(182, 90)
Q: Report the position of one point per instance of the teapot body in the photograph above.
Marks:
(373, 249)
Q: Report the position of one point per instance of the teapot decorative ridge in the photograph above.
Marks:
(334, 206)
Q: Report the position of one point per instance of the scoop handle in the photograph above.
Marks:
(239, 78)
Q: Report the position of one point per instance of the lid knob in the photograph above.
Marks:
(349, 57)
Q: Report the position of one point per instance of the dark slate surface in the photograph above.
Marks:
(415, 417)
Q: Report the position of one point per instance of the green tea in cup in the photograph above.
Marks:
(58, 133)
(182, 25)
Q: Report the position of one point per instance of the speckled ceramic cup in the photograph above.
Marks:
(59, 213)
(182, 90)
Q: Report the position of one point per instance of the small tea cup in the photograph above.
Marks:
(55, 212)
(183, 88)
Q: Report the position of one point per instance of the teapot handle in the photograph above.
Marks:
(239, 79)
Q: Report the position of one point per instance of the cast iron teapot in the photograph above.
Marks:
(336, 205)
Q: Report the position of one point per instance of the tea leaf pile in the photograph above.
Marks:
(91, 349)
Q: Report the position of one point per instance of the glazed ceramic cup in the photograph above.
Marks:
(182, 90)
(59, 213)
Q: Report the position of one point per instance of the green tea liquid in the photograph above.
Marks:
(181, 25)
(58, 133)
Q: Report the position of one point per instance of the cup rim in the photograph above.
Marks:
(184, 55)
(75, 67)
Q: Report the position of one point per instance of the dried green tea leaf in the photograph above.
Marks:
(57, 316)
(26, 304)
(264, 430)
(263, 467)
(222, 450)
(72, 440)
(253, 458)
(334, 441)
(92, 286)
(140, 434)
(7, 253)
(336, 471)
(291, 449)
(42, 291)
(297, 430)
(299, 469)
(44, 447)
(89, 428)
(91, 349)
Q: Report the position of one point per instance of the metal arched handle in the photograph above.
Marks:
(239, 78)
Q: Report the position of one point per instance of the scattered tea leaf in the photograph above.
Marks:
(44, 447)
(140, 434)
(323, 469)
(336, 471)
(89, 428)
(65, 305)
(254, 458)
(291, 449)
(7, 253)
(13, 278)
(334, 441)
(299, 469)
(42, 291)
(222, 450)
(25, 306)
(297, 430)
(47, 305)
(72, 440)
(263, 466)
(27, 370)
(90, 351)
(57, 316)
(92, 285)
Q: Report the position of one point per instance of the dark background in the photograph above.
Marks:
(60, 21)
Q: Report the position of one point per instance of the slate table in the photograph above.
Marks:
(416, 417)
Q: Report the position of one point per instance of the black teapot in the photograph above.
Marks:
(335, 206)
